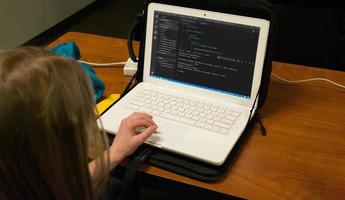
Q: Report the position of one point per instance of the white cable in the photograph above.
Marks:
(306, 80)
(103, 64)
(279, 77)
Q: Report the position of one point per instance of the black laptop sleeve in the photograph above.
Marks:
(180, 164)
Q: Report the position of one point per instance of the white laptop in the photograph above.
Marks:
(202, 72)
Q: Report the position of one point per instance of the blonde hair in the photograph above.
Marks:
(47, 127)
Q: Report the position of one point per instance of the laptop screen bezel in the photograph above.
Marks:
(224, 17)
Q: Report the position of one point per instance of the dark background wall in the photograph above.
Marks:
(309, 33)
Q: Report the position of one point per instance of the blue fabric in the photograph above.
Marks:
(71, 50)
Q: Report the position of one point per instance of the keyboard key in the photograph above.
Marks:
(195, 113)
(167, 110)
(200, 124)
(214, 113)
(210, 122)
(230, 117)
(203, 120)
(160, 109)
(189, 111)
(196, 118)
(227, 121)
(181, 109)
(181, 114)
(203, 115)
(222, 125)
(209, 117)
(208, 127)
(217, 119)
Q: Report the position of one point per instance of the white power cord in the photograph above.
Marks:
(103, 64)
(132, 69)
(306, 80)
(129, 69)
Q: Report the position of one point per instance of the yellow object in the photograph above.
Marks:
(104, 104)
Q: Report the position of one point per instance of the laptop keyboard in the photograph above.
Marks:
(184, 110)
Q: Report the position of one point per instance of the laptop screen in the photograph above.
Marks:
(206, 53)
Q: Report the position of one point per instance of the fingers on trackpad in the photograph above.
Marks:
(168, 132)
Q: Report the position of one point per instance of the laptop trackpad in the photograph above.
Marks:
(168, 133)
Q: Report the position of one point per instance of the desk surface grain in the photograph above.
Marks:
(303, 154)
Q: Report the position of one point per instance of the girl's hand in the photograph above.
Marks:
(128, 138)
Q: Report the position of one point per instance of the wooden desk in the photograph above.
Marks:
(303, 155)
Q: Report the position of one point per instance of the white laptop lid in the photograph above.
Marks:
(214, 54)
